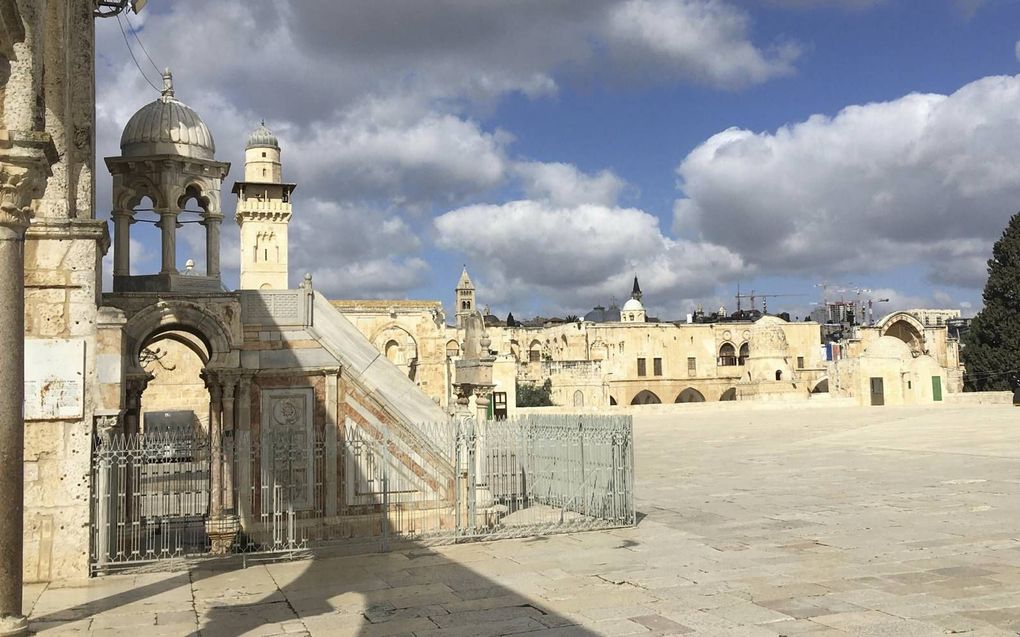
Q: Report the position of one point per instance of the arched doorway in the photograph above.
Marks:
(822, 387)
(175, 401)
(729, 394)
(690, 395)
(645, 397)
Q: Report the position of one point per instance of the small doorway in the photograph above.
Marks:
(877, 391)
(936, 388)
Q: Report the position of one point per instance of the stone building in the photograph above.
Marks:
(164, 346)
(899, 361)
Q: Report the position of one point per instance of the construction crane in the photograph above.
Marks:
(764, 299)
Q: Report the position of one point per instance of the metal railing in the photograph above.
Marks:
(358, 490)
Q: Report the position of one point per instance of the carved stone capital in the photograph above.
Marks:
(22, 180)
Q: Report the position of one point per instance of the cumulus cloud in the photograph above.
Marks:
(705, 41)
(564, 185)
(353, 251)
(572, 255)
(927, 179)
(379, 103)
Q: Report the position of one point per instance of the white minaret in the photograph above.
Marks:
(263, 212)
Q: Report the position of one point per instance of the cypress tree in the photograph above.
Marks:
(991, 348)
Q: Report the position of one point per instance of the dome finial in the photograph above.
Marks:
(168, 84)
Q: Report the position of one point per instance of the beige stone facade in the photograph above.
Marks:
(899, 361)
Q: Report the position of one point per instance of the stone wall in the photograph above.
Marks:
(63, 252)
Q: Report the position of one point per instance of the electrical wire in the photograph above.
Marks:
(133, 58)
(134, 32)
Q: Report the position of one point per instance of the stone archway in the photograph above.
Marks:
(690, 395)
(399, 346)
(646, 397)
(729, 394)
(906, 328)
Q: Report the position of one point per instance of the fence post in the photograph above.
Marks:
(385, 502)
(472, 476)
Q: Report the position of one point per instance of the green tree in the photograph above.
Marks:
(991, 348)
(531, 395)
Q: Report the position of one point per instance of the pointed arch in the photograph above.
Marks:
(646, 397)
(690, 395)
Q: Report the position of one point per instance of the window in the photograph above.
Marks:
(533, 355)
(263, 153)
(465, 305)
(938, 320)
(692, 366)
(657, 366)
(800, 362)
(641, 371)
(263, 172)
(727, 355)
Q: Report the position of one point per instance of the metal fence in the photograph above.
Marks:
(358, 490)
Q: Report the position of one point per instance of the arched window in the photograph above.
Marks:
(578, 398)
(745, 351)
(727, 355)
(779, 374)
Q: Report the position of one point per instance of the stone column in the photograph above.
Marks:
(122, 220)
(19, 184)
(482, 395)
(212, 244)
(330, 433)
(168, 233)
(243, 445)
(215, 449)
(229, 382)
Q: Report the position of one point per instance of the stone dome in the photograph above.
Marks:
(262, 136)
(167, 126)
(888, 347)
(633, 305)
(768, 340)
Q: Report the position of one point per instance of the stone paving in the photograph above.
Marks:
(850, 521)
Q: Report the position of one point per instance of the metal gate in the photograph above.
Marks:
(360, 490)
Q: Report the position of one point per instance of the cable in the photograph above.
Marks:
(133, 58)
(134, 32)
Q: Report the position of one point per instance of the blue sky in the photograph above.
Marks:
(559, 147)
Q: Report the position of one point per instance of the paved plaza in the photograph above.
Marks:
(859, 521)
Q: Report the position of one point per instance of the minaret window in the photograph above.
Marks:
(263, 153)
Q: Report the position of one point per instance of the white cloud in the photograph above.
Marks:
(927, 179)
(564, 185)
(704, 41)
(379, 104)
(574, 256)
(353, 251)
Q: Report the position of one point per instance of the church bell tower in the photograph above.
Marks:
(263, 212)
(465, 298)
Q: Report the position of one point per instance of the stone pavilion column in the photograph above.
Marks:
(168, 239)
(22, 179)
(243, 446)
(122, 220)
(229, 383)
(212, 244)
(215, 449)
